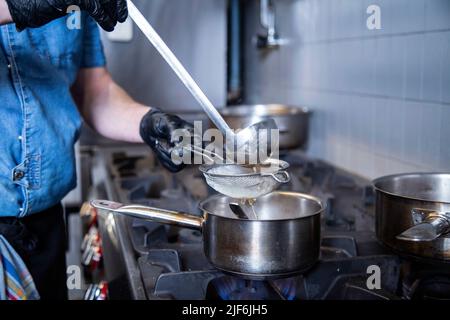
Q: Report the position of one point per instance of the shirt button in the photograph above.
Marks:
(9, 66)
(18, 175)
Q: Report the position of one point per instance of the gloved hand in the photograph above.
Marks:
(36, 13)
(157, 130)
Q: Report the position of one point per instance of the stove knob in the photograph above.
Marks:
(97, 291)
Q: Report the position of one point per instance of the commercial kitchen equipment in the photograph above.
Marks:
(147, 260)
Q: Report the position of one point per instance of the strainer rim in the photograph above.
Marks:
(282, 165)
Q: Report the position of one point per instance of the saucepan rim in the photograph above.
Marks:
(270, 110)
(376, 184)
(321, 203)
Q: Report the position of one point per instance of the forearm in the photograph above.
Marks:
(115, 115)
(106, 107)
(5, 16)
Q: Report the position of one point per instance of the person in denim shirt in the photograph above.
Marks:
(51, 77)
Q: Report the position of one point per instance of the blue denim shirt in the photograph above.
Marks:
(39, 121)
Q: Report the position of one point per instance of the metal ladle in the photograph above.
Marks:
(238, 211)
(245, 141)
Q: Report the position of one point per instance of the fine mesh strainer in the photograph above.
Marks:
(246, 181)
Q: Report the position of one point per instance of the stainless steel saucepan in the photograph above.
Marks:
(413, 214)
(284, 241)
(293, 122)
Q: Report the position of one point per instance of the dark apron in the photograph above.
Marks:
(40, 240)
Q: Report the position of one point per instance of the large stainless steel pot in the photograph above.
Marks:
(293, 122)
(413, 214)
(284, 241)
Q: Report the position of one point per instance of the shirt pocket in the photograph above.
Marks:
(58, 44)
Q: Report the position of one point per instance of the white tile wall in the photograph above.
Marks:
(381, 99)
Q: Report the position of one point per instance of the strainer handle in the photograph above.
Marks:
(281, 176)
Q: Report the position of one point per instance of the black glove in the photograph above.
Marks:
(36, 13)
(157, 130)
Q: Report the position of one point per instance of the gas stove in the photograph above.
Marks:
(155, 261)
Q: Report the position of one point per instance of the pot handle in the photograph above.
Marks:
(429, 225)
(155, 214)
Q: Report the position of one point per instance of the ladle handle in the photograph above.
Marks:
(178, 68)
(155, 214)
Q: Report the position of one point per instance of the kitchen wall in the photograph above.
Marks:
(195, 30)
(381, 98)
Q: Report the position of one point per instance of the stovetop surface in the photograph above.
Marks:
(171, 260)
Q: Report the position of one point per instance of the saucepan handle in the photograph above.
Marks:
(429, 225)
(155, 214)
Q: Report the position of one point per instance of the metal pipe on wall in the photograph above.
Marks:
(235, 52)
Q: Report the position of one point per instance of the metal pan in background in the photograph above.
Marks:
(292, 121)
(413, 214)
(283, 242)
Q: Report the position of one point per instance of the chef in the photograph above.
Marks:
(51, 77)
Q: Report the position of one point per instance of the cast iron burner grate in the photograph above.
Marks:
(172, 264)
(183, 272)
